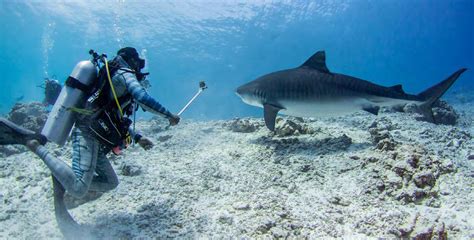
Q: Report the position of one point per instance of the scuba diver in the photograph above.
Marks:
(101, 124)
(93, 107)
(52, 89)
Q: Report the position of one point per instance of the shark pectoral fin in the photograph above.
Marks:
(371, 109)
(270, 112)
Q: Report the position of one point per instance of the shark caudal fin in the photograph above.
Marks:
(432, 94)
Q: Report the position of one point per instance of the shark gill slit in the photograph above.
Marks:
(294, 91)
(297, 89)
(288, 93)
(305, 91)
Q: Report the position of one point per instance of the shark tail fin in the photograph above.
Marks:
(432, 94)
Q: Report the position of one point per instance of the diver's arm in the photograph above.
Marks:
(139, 93)
(135, 134)
(143, 141)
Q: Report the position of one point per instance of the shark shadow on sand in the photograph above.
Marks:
(311, 146)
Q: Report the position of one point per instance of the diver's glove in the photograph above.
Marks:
(174, 119)
(145, 143)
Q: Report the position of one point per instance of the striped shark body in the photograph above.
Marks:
(311, 90)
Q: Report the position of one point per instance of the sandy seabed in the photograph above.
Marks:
(355, 177)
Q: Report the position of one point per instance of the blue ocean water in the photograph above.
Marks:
(228, 43)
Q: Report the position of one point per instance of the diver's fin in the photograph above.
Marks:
(11, 133)
(68, 227)
(270, 112)
(432, 94)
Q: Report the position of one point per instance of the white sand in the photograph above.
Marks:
(206, 181)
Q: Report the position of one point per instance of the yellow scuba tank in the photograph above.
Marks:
(59, 124)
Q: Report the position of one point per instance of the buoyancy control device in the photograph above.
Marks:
(111, 127)
(59, 124)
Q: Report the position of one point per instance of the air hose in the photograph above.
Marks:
(128, 139)
(112, 86)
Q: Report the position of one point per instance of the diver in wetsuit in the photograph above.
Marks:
(52, 89)
(89, 153)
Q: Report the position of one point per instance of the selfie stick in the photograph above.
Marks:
(202, 86)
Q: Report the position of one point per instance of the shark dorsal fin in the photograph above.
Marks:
(317, 61)
(397, 88)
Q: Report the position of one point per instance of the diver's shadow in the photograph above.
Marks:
(158, 219)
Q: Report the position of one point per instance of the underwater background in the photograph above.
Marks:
(228, 43)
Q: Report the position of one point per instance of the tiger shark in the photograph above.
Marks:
(311, 90)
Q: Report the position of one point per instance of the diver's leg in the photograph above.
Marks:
(106, 178)
(85, 149)
(76, 180)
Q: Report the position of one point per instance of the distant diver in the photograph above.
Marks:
(311, 90)
(98, 97)
(52, 89)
